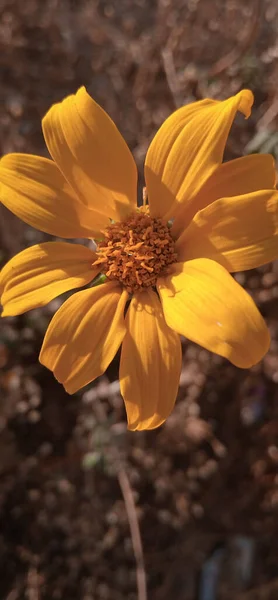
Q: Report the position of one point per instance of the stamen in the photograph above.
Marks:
(137, 251)
(150, 269)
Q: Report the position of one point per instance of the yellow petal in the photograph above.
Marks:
(159, 196)
(234, 178)
(193, 154)
(240, 233)
(205, 304)
(150, 363)
(38, 274)
(35, 190)
(92, 154)
(84, 335)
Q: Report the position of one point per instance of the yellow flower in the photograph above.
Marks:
(171, 258)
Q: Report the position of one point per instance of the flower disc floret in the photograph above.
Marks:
(136, 251)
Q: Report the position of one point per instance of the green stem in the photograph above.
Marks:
(99, 279)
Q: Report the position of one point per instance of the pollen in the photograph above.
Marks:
(136, 251)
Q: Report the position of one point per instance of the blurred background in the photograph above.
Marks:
(74, 484)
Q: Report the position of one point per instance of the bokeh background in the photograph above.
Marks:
(74, 483)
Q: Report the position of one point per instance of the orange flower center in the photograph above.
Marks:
(136, 251)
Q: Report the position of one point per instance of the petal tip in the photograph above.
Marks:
(246, 102)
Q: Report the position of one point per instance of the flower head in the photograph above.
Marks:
(167, 264)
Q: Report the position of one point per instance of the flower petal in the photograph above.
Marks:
(234, 178)
(240, 233)
(35, 190)
(205, 304)
(92, 154)
(193, 154)
(150, 363)
(84, 335)
(160, 197)
(38, 274)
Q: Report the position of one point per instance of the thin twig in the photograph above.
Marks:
(135, 533)
(171, 76)
(130, 511)
(232, 57)
(269, 116)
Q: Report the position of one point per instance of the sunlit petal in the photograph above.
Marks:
(234, 178)
(84, 335)
(38, 274)
(35, 190)
(92, 154)
(240, 233)
(195, 151)
(150, 363)
(204, 303)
